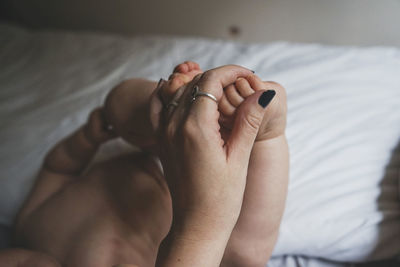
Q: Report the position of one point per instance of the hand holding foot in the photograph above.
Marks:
(206, 175)
(256, 230)
(274, 121)
(127, 106)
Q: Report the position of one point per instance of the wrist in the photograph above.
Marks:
(203, 226)
(192, 243)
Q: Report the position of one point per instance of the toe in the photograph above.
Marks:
(225, 107)
(233, 95)
(186, 67)
(244, 87)
(255, 82)
(177, 77)
(175, 82)
(188, 70)
(181, 68)
(192, 65)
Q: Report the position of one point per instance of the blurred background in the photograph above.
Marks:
(339, 22)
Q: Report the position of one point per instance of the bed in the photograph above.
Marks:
(343, 204)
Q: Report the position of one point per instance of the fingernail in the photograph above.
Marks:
(253, 71)
(266, 97)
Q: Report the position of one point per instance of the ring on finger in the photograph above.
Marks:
(196, 93)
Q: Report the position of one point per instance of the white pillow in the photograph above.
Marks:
(343, 124)
(344, 133)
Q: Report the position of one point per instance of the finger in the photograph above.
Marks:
(204, 111)
(225, 107)
(213, 82)
(174, 102)
(157, 107)
(174, 115)
(233, 96)
(248, 120)
(168, 88)
(243, 87)
(183, 99)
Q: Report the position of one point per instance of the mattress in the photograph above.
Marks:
(343, 126)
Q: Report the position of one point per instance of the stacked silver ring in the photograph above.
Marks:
(196, 93)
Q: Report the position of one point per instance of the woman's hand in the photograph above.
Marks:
(206, 174)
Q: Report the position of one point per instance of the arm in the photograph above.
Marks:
(256, 231)
(66, 161)
(206, 174)
(72, 155)
(194, 242)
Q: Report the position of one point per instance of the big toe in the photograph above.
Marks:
(189, 68)
(255, 82)
(186, 67)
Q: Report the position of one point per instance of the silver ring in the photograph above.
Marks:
(196, 92)
(173, 103)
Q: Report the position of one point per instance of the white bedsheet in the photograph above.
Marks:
(343, 125)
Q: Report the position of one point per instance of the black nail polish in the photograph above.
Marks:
(252, 71)
(266, 97)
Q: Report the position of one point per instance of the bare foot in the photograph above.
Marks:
(127, 106)
(274, 121)
(266, 177)
(182, 74)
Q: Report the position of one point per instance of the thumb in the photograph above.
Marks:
(247, 123)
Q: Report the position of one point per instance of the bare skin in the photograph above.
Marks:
(256, 230)
(119, 211)
(116, 212)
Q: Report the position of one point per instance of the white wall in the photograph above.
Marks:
(354, 22)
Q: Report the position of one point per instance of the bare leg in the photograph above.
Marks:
(256, 231)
